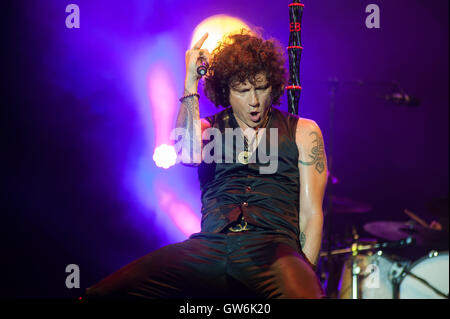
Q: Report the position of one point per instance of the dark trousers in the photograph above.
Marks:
(248, 264)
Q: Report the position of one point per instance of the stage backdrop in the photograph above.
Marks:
(87, 101)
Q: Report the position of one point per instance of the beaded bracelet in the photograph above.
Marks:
(189, 95)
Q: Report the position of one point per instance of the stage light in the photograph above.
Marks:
(184, 218)
(165, 156)
(217, 26)
(179, 212)
(163, 99)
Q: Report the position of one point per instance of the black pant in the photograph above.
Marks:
(250, 264)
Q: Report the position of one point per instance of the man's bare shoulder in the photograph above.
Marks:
(311, 149)
(305, 128)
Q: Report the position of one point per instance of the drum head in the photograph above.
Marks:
(434, 269)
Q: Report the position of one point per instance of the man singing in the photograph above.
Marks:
(261, 228)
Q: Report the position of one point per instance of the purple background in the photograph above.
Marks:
(80, 185)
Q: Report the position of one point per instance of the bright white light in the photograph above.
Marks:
(165, 156)
(217, 26)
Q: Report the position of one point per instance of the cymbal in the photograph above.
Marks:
(400, 230)
(347, 205)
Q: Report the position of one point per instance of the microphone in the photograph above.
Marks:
(202, 68)
(402, 99)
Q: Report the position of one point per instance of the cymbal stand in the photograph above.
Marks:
(355, 268)
(383, 245)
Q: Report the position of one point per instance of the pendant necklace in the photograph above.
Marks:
(245, 155)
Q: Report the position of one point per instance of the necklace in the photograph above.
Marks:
(245, 155)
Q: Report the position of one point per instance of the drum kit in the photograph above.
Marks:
(384, 267)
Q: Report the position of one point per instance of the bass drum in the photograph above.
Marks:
(373, 281)
(434, 269)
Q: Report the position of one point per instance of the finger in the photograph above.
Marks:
(200, 42)
(204, 54)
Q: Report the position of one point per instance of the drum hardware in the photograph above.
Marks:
(395, 276)
(355, 268)
(396, 271)
(428, 277)
(409, 241)
(392, 276)
(416, 218)
(426, 283)
(423, 236)
(366, 270)
(355, 273)
(406, 272)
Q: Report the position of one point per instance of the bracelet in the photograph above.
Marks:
(189, 95)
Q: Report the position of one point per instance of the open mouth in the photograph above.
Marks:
(255, 116)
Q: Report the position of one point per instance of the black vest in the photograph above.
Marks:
(232, 190)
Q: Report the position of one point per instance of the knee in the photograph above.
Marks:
(298, 280)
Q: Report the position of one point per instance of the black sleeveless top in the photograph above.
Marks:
(232, 190)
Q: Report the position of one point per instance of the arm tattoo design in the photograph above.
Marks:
(302, 239)
(189, 113)
(317, 154)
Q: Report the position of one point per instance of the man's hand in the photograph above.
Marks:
(194, 57)
(189, 114)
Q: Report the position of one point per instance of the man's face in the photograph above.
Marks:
(250, 102)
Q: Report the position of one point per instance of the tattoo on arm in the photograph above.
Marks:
(302, 239)
(189, 112)
(317, 154)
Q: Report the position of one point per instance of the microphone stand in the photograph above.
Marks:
(355, 268)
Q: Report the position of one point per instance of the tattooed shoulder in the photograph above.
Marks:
(316, 153)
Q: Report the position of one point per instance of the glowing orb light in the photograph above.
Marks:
(165, 156)
(217, 26)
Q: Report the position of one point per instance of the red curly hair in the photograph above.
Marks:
(241, 57)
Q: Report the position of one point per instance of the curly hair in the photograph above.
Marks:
(240, 57)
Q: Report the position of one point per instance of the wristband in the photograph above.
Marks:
(189, 95)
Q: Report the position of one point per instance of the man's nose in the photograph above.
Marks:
(253, 98)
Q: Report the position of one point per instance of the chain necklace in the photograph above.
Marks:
(245, 155)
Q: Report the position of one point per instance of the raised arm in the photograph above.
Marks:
(188, 118)
(312, 166)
